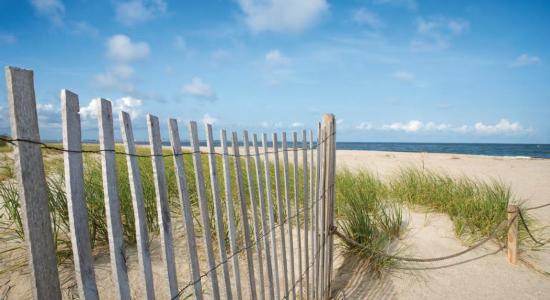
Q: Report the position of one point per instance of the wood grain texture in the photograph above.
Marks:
(329, 122)
(136, 189)
(289, 215)
(33, 194)
(76, 204)
(270, 208)
(281, 212)
(163, 209)
(220, 231)
(203, 207)
(305, 206)
(112, 204)
(187, 213)
(244, 216)
(255, 221)
(230, 213)
(297, 209)
(263, 218)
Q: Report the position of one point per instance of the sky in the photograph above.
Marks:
(390, 70)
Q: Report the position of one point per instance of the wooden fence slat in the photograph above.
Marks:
(244, 215)
(270, 207)
(305, 209)
(187, 213)
(252, 191)
(203, 206)
(329, 122)
(324, 223)
(76, 204)
(218, 210)
(163, 210)
(33, 194)
(230, 213)
(318, 266)
(112, 204)
(313, 202)
(263, 217)
(280, 210)
(297, 208)
(289, 215)
(136, 189)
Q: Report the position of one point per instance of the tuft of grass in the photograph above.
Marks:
(366, 216)
(475, 207)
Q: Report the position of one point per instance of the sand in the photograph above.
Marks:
(481, 274)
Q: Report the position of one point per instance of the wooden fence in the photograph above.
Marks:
(271, 223)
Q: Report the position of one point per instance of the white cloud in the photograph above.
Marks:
(49, 116)
(365, 126)
(8, 39)
(121, 48)
(404, 76)
(436, 33)
(208, 119)
(296, 124)
(128, 104)
(502, 127)
(282, 15)
(410, 4)
(276, 58)
(117, 78)
(411, 126)
(526, 60)
(84, 28)
(179, 42)
(52, 9)
(364, 16)
(138, 11)
(198, 88)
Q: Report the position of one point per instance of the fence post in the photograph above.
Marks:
(512, 246)
(329, 128)
(76, 203)
(32, 185)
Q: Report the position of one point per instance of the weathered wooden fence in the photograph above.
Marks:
(285, 236)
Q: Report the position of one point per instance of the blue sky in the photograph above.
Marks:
(390, 70)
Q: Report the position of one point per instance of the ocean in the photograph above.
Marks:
(518, 150)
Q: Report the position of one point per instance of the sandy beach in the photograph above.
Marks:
(480, 274)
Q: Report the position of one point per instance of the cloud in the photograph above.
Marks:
(179, 42)
(282, 15)
(410, 4)
(365, 126)
(363, 16)
(404, 76)
(117, 78)
(297, 125)
(84, 28)
(7, 39)
(121, 48)
(526, 60)
(436, 33)
(49, 116)
(52, 9)
(276, 58)
(138, 11)
(128, 104)
(208, 119)
(502, 127)
(199, 89)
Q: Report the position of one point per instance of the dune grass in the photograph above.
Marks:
(366, 215)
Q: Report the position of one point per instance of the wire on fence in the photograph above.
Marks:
(528, 230)
(46, 146)
(537, 207)
(254, 242)
(416, 259)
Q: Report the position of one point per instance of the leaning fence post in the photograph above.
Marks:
(32, 185)
(74, 188)
(513, 211)
(329, 126)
